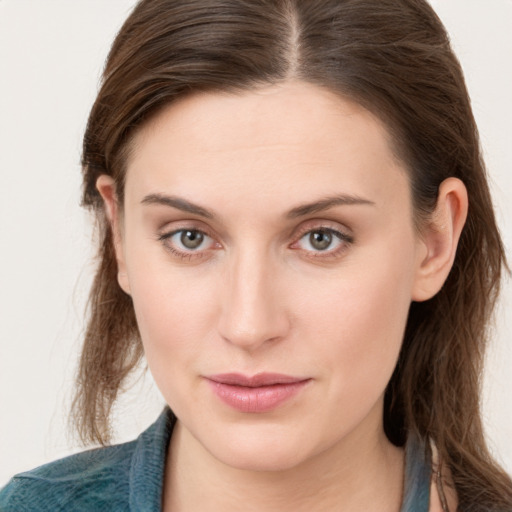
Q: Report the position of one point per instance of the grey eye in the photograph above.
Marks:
(323, 240)
(320, 240)
(191, 239)
(188, 243)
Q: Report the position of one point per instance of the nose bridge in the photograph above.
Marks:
(251, 311)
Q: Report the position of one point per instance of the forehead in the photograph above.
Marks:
(292, 138)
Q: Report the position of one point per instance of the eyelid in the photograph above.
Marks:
(164, 236)
(344, 235)
(171, 228)
(325, 225)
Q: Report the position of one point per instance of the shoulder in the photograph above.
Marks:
(120, 477)
(91, 480)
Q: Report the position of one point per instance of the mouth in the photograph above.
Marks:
(259, 393)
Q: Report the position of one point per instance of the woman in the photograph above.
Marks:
(282, 191)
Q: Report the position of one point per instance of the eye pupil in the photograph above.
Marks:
(191, 239)
(320, 240)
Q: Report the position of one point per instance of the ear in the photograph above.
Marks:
(107, 189)
(439, 239)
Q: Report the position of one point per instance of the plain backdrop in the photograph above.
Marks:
(51, 57)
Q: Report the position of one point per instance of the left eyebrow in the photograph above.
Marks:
(326, 203)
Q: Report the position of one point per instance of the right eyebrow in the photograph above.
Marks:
(179, 204)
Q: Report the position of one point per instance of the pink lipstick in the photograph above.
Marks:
(260, 393)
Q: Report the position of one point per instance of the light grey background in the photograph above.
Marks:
(51, 56)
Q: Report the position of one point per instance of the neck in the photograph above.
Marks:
(361, 471)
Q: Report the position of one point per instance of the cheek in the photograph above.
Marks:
(174, 307)
(172, 310)
(173, 322)
(167, 297)
(356, 324)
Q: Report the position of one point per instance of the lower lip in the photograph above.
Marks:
(257, 399)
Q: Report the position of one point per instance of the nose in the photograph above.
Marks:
(253, 311)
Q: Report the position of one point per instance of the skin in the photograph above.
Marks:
(258, 296)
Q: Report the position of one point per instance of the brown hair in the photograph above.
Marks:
(394, 58)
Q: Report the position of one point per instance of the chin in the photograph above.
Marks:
(264, 450)
(262, 460)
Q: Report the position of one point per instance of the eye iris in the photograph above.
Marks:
(320, 240)
(191, 239)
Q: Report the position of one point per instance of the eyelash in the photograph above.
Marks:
(344, 239)
(184, 255)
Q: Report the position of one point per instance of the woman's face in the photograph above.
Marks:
(270, 234)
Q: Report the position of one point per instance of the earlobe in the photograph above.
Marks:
(107, 189)
(440, 239)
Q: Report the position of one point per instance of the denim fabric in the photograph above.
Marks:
(124, 477)
(129, 477)
(417, 477)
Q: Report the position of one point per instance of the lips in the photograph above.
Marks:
(259, 393)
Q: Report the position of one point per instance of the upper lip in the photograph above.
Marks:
(254, 381)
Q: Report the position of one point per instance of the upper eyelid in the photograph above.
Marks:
(172, 225)
(167, 232)
(318, 225)
(342, 237)
(170, 234)
(335, 232)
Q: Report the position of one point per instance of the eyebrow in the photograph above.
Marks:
(299, 211)
(179, 204)
(326, 203)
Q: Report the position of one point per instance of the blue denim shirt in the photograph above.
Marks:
(129, 477)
